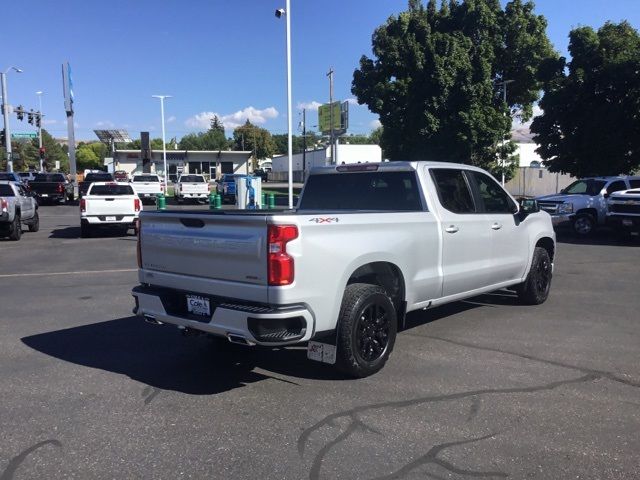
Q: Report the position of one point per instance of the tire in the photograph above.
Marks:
(584, 224)
(85, 230)
(367, 328)
(15, 229)
(34, 226)
(535, 289)
(70, 198)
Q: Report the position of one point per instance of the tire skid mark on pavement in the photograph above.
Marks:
(614, 377)
(356, 424)
(82, 272)
(16, 461)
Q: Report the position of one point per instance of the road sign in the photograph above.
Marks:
(24, 135)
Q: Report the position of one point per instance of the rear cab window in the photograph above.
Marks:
(146, 178)
(6, 191)
(110, 190)
(192, 179)
(378, 191)
(98, 177)
(49, 177)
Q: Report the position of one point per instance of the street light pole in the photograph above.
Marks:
(287, 13)
(164, 143)
(5, 111)
(39, 94)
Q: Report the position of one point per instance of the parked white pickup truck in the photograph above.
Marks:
(109, 204)
(148, 186)
(191, 187)
(366, 244)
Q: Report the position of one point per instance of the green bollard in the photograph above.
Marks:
(218, 201)
(263, 200)
(212, 201)
(161, 202)
(272, 201)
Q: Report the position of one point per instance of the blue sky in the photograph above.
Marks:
(225, 57)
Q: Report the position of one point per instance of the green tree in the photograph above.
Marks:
(212, 139)
(53, 152)
(86, 158)
(590, 125)
(251, 137)
(434, 79)
(297, 142)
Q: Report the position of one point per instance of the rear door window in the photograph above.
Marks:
(453, 190)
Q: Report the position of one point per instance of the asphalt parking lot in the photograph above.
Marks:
(484, 388)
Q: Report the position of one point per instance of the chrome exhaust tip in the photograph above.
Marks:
(239, 339)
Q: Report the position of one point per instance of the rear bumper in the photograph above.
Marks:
(102, 220)
(257, 324)
(194, 195)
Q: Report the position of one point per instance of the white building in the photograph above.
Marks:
(211, 163)
(345, 154)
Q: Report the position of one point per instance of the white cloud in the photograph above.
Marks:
(105, 124)
(375, 124)
(49, 121)
(172, 118)
(352, 101)
(312, 105)
(202, 120)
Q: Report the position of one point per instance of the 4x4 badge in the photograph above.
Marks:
(325, 220)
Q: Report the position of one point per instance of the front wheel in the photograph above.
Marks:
(584, 224)
(535, 289)
(15, 229)
(367, 328)
(34, 226)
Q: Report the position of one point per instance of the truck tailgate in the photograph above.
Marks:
(194, 188)
(116, 205)
(230, 248)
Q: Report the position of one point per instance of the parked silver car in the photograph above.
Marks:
(17, 208)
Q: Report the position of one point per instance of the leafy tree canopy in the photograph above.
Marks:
(251, 137)
(591, 125)
(434, 79)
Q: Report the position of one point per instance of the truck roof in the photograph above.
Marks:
(389, 167)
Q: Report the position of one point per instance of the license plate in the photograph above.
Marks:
(110, 219)
(627, 223)
(44, 195)
(198, 305)
(147, 194)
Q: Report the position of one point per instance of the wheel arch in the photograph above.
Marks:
(388, 276)
(549, 245)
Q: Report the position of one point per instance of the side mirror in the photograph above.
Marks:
(529, 206)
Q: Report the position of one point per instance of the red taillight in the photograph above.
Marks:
(4, 205)
(280, 264)
(60, 188)
(83, 205)
(136, 204)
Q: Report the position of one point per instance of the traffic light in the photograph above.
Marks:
(2, 138)
(30, 117)
(42, 152)
(20, 112)
(38, 119)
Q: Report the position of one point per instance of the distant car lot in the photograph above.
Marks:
(483, 388)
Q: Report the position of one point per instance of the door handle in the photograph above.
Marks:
(451, 229)
(496, 226)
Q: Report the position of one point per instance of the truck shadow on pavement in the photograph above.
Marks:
(74, 232)
(600, 237)
(160, 357)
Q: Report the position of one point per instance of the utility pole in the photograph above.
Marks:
(503, 160)
(39, 94)
(330, 75)
(304, 144)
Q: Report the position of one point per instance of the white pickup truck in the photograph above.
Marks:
(366, 244)
(191, 187)
(148, 186)
(109, 204)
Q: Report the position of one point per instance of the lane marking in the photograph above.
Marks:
(85, 272)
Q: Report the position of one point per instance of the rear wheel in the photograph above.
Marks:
(535, 289)
(34, 226)
(366, 330)
(15, 229)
